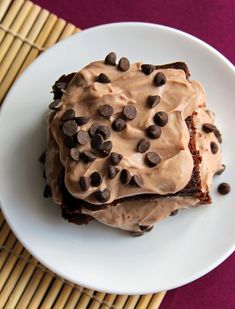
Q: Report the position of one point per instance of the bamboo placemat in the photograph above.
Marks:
(26, 30)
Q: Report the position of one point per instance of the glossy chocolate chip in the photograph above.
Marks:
(96, 179)
(102, 196)
(115, 158)
(105, 110)
(208, 127)
(70, 128)
(106, 148)
(47, 191)
(159, 79)
(129, 112)
(88, 156)
(84, 183)
(93, 128)
(82, 120)
(143, 145)
(218, 135)
(161, 119)
(97, 141)
(110, 59)
(104, 131)
(153, 100)
(103, 78)
(214, 147)
(68, 115)
(147, 69)
(55, 105)
(125, 177)
(42, 158)
(112, 171)
(224, 188)
(118, 124)
(137, 181)
(124, 64)
(152, 159)
(154, 131)
(82, 137)
(75, 154)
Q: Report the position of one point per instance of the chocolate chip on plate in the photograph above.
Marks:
(152, 159)
(82, 137)
(124, 64)
(102, 196)
(159, 79)
(137, 181)
(93, 128)
(115, 158)
(104, 131)
(125, 177)
(97, 141)
(224, 188)
(54, 105)
(112, 171)
(68, 115)
(96, 179)
(143, 145)
(88, 156)
(75, 154)
(70, 128)
(174, 213)
(118, 124)
(47, 191)
(84, 183)
(82, 120)
(161, 119)
(103, 78)
(214, 147)
(110, 59)
(154, 131)
(105, 110)
(153, 100)
(129, 112)
(106, 148)
(147, 69)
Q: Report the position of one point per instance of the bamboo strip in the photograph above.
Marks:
(12, 279)
(51, 297)
(10, 16)
(30, 289)
(85, 299)
(73, 299)
(43, 36)
(63, 297)
(120, 301)
(95, 304)
(40, 292)
(22, 54)
(10, 242)
(144, 301)
(20, 19)
(68, 31)
(4, 233)
(132, 301)
(156, 300)
(4, 4)
(108, 301)
(55, 34)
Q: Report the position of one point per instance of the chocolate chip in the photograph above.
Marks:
(174, 213)
(104, 131)
(159, 79)
(118, 124)
(146, 228)
(129, 112)
(70, 141)
(124, 64)
(106, 148)
(62, 86)
(161, 119)
(214, 147)
(153, 100)
(93, 128)
(102, 196)
(224, 188)
(154, 131)
(68, 115)
(84, 183)
(112, 171)
(125, 177)
(97, 141)
(115, 158)
(221, 170)
(96, 179)
(218, 135)
(88, 156)
(75, 154)
(143, 145)
(55, 105)
(82, 137)
(47, 191)
(103, 78)
(42, 158)
(147, 69)
(208, 127)
(152, 159)
(110, 59)
(70, 128)
(80, 121)
(105, 110)
(137, 181)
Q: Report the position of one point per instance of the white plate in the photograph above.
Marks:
(179, 249)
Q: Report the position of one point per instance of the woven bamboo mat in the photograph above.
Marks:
(26, 30)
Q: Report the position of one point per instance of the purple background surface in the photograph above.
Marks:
(210, 20)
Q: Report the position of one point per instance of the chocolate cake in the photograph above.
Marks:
(129, 144)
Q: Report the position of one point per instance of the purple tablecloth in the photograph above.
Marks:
(210, 20)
